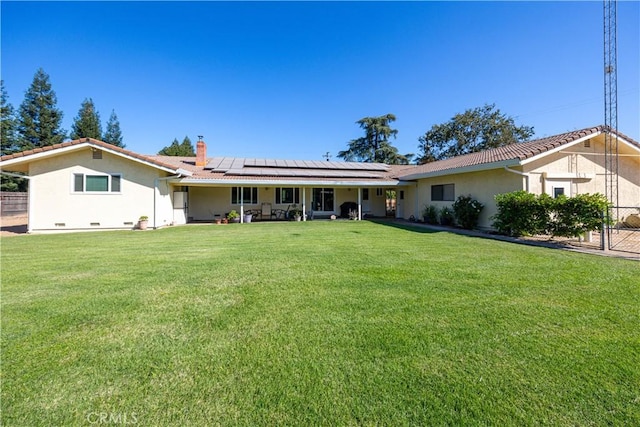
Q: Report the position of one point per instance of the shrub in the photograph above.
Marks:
(467, 211)
(446, 216)
(522, 214)
(430, 214)
(574, 216)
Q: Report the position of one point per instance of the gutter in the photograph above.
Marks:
(525, 175)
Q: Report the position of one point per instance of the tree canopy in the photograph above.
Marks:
(113, 134)
(474, 130)
(176, 149)
(87, 123)
(374, 146)
(39, 119)
(8, 125)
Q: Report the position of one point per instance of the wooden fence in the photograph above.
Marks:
(13, 203)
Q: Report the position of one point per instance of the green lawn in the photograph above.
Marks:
(317, 323)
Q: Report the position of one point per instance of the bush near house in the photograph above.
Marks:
(467, 211)
(430, 214)
(521, 213)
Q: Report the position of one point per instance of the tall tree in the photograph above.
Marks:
(38, 118)
(8, 141)
(374, 146)
(8, 124)
(177, 149)
(87, 123)
(113, 135)
(474, 130)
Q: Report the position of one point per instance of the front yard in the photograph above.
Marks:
(316, 323)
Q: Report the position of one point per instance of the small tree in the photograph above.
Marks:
(113, 135)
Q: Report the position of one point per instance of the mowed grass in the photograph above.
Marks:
(317, 323)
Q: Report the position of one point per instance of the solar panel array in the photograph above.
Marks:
(295, 168)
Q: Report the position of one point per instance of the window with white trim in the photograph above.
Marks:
(85, 183)
(248, 195)
(287, 195)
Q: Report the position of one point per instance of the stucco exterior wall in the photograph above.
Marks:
(581, 169)
(55, 206)
(482, 186)
(206, 201)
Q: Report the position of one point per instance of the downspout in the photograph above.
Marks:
(155, 191)
(359, 204)
(30, 192)
(525, 175)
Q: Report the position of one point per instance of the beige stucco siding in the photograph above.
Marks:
(482, 186)
(581, 167)
(55, 206)
(206, 201)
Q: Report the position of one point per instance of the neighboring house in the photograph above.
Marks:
(87, 184)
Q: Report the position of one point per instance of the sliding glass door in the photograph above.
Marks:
(323, 200)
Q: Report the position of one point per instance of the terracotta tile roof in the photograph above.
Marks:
(91, 141)
(516, 152)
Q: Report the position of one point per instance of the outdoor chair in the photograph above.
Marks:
(266, 211)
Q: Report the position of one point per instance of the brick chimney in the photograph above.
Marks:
(201, 152)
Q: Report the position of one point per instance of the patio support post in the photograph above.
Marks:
(359, 204)
(241, 205)
(304, 204)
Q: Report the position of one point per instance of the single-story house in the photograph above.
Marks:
(87, 184)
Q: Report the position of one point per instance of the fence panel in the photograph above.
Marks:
(624, 235)
(13, 203)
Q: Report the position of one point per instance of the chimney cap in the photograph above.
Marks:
(200, 137)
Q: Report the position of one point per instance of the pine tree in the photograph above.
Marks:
(87, 123)
(38, 118)
(181, 150)
(186, 148)
(8, 141)
(7, 124)
(113, 134)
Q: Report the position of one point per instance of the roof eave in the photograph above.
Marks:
(290, 183)
(466, 169)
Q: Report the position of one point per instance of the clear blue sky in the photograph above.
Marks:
(289, 80)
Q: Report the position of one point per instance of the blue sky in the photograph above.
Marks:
(290, 79)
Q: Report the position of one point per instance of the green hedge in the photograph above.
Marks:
(521, 213)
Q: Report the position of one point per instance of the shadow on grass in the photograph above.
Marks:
(406, 226)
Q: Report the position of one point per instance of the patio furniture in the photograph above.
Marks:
(266, 211)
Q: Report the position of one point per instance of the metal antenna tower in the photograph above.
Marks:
(611, 101)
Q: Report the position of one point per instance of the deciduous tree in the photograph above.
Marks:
(474, 130)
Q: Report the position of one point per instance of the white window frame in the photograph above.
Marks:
(240, 191)
(110, 178)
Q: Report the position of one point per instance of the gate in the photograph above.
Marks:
(624, 234)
